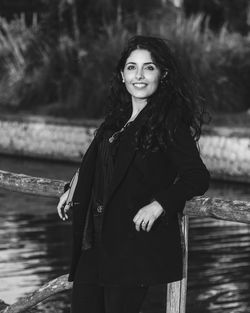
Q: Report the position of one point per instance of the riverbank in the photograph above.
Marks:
(224, 145)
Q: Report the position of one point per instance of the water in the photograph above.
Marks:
(35, 245)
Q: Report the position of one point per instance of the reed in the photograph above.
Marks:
(70, 78)
(221, 61)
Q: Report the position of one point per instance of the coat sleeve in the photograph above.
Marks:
(192, 175)
(90, 148)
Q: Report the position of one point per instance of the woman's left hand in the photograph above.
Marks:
(147, 215)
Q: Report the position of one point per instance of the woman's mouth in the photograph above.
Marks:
(140, 85)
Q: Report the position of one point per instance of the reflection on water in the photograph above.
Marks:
(219, 267)
(35, 245)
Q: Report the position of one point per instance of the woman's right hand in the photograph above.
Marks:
(62, 209)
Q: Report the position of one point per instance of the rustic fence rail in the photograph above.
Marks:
(230, 210)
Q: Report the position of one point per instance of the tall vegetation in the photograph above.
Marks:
(234, 13)
(62, 74)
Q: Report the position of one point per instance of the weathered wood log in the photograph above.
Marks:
(230, 210)
(31, 185)
(52, 287)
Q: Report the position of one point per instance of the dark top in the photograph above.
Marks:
(106, 156)
(104, 167)
(105, 164)
(88, 267)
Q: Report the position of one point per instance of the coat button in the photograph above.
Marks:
(100, 208)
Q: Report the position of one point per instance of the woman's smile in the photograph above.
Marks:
(141, 75)
(140, 85)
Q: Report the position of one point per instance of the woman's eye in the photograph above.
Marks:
(131, 67)
(150, 67)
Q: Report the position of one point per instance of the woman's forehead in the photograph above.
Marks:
(140, 56)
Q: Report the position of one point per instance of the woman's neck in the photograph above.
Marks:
(137, 106)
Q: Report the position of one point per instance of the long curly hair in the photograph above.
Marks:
(175, 101)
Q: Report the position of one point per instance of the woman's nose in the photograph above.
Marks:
(139, 74)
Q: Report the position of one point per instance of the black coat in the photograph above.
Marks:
(171, 177)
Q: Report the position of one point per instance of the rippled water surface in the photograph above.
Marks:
(35, 245)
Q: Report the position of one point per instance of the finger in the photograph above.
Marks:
(66, 209)
(138, 225)
(144, 224)
(59, 211)
(150, 224)
(137, 222)
(137, 217)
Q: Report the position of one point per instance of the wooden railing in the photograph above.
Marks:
(237, 211)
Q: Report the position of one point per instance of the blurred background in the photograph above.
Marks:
(56, 60)
(55, 55)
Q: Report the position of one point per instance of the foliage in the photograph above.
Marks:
(15, 39)
(234, 13)
(62, 76)
(221, 61)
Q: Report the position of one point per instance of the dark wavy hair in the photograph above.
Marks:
(175, 101)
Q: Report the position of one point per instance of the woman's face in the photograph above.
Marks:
(141, 75)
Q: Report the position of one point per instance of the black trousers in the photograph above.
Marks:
(91, 298)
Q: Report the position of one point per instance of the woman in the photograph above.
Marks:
(141, 167)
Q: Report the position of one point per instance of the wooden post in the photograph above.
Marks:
(177, 291)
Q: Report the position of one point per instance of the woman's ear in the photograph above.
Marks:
(164, 79)
(123, 80)
(164, 74)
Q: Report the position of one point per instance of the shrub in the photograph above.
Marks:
(221, 61)
(70, 78)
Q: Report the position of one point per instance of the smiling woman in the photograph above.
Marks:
(139, 170)
(141, 77)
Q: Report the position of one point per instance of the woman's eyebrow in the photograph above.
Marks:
(146, 63)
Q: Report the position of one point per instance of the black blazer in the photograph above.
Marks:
(171, 178)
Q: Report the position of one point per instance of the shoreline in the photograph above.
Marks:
(225, 149)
